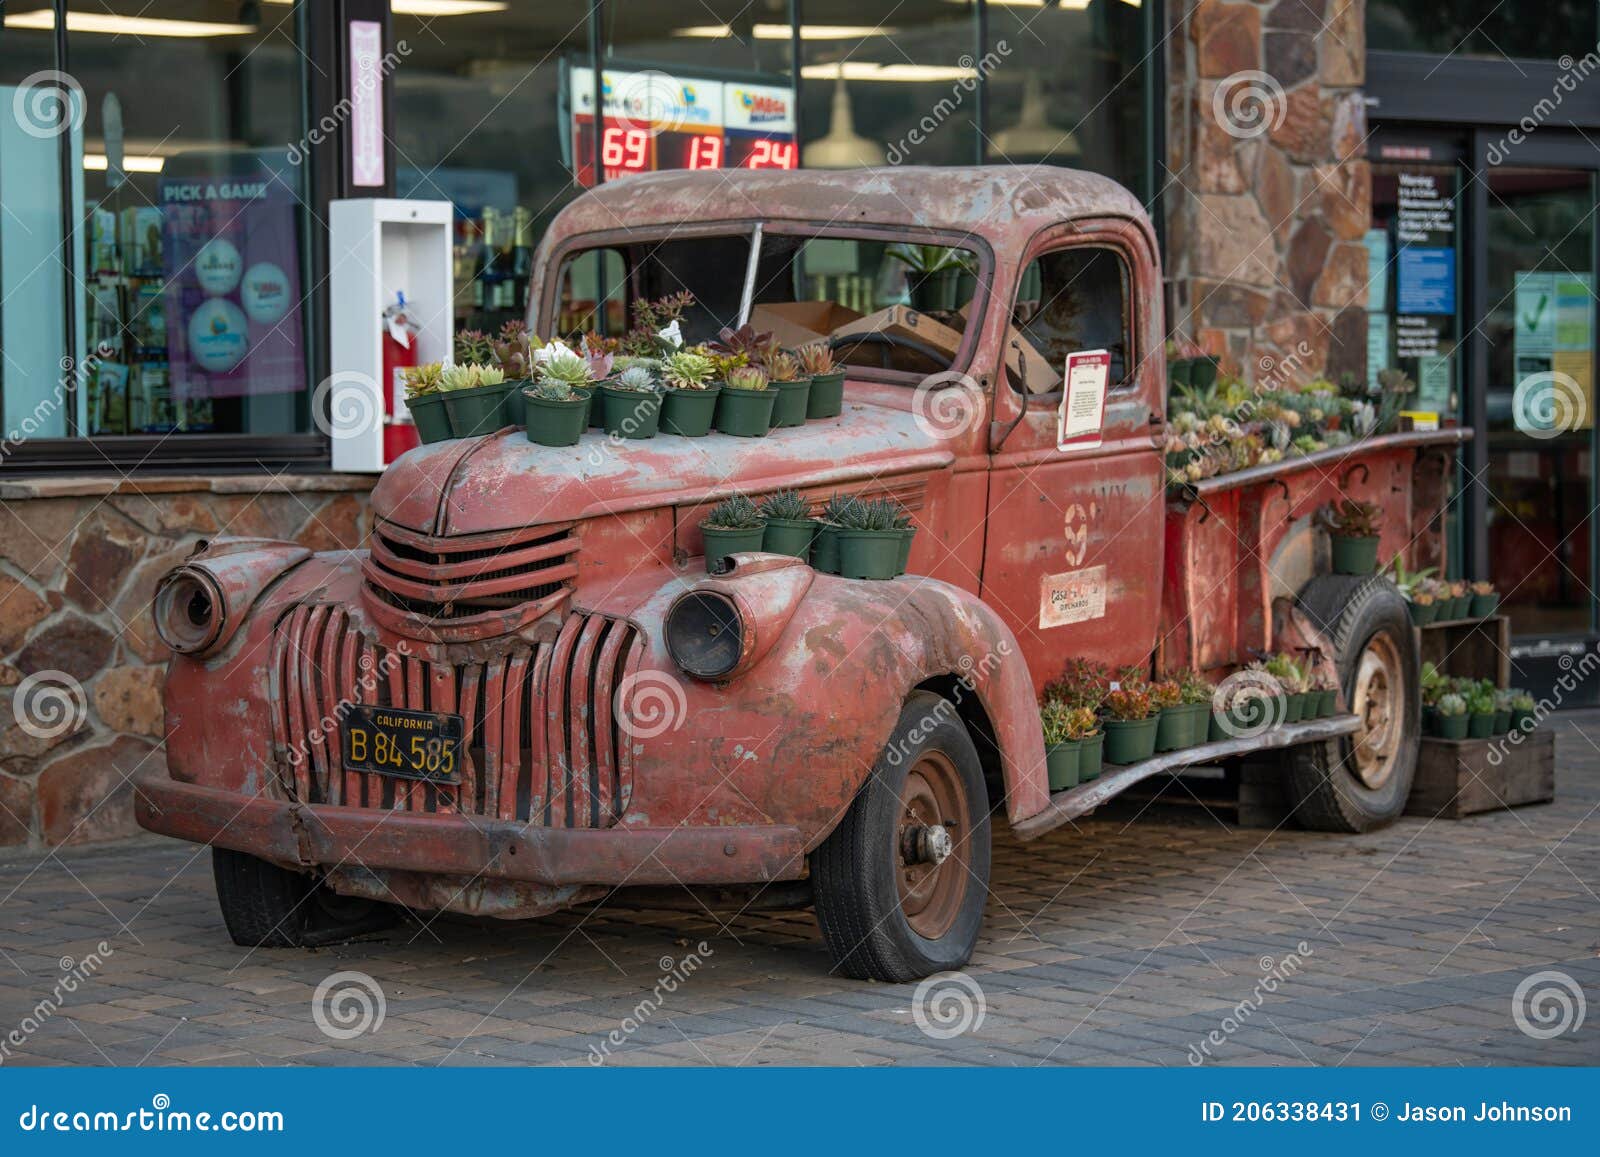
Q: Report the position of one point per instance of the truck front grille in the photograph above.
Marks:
(447, 578)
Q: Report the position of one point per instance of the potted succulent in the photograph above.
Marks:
(869, 543)
(474, 398)
(512, 351)
(1130, 725)
(793, 386)
(1524, 711)
(1353, 530)
(1083, 687)
(1485, 600)
(425, 401)
(1327, 693)
(1061, 747)
(555, 409)
(1091, 743)
(1253, 705)
(933, 274)
(1480, 712)
(1460, 599)
(902, 523)
(744, 407)
(1450, 717)
(1197, 693)
(690, 399)
(632, 403)
(1172, 718)
(1293, 680)
(825, 546)
(826, 399)
(1502, 712)
(789, 525)
(1414, 586)
(733, 526)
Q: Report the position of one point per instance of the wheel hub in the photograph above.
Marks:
(931, 846)
(926, 845)
(1378, 701)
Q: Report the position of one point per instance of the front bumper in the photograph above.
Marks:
(326, 837)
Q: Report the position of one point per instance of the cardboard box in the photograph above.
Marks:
(1043, 378)
(797, 323)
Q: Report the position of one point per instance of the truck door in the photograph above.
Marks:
(1073, 550)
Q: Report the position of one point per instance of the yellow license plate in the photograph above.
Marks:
(393, 741)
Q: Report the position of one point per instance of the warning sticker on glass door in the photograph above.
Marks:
(1074, 597)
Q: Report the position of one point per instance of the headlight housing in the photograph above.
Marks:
(705, 634)
(188, 610)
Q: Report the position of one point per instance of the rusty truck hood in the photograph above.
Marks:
(473, 485)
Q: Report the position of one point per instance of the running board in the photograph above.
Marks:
(1075, 801)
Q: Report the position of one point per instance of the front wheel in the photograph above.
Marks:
(1361, 781)
(901, 883)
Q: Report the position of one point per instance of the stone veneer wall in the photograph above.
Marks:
(79, 559)
(1269, 193)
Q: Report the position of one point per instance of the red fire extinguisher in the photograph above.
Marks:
(399, 354)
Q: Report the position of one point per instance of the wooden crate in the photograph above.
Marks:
(1469, 648)
(1463, 777)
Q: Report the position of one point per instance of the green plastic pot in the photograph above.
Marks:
(1199, 722)
(634, 414)
(1172, 728)
(720, 543)
(1523, 720)
(934, 290)
(826, 399)
(1089, 756)
(790, 407)
(1294, 707)
(1451, 726)
(689, 412)
(1502, 721)
(478, 411)
(1482, 606)
(825, 548)
(1061, 762)
(1355, 555)
(553, 423)
(1216, 729)
(790, 536)
(1330, 702)
(433, 424)
(515, 413)
(907, 533)
(1480, 724)
(869, 554)
(1254, 715)
(1130, 740)
(1422, 616)
(1459, 606)
(745, 413)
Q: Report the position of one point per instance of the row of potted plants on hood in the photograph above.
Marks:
(1455, 707)
(859, 538)
(647, 382)
(1091, 718)
(1442, 600)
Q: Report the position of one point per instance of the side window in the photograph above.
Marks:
(588, 280)
(1078, 298)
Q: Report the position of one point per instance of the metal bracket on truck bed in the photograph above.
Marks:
(1074, 802)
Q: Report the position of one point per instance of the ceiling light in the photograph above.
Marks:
(902, 73)
(111, 24)
(782, 31)
(435, 7)
(96, 162)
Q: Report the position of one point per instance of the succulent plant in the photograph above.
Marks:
(470, 376)
(1451, 704)
(734, 513)
(782, 367)
(872, 514)
(1129, 704)
(552, 390)
(422, 380)
(756, 346)
(1064, 723)
(1483, 588)
(1353, 519)
(1522, 701)
(473, 346)
(1195, 687)
(686, 370)
(747, 378)
(836, 509)
(636, 379)
(566, 367)
(816, 358)
(1166, 693)
(787, 505)
(1084, 683)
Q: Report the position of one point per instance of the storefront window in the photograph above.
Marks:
(1486, 28)
(191, 301)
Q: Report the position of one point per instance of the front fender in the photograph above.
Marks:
(792, 738)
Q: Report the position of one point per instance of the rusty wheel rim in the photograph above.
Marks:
(1378, 701)
(932, 867)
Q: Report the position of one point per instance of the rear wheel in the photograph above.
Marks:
(901, 883)
(1361, 781)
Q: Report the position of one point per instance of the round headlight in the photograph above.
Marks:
(187, 611)
(705, 634)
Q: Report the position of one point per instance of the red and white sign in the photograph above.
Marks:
(366, 104)
(1082, 418)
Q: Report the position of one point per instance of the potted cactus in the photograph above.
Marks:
(1480, 712)
(902, 523)
(555, 409)
(632, 403)
(1172, 718)
(1061, 747)
(1353, 530)
(793, 387)
(825, 546)
(733, 526)
(1450, 717)
(425, 401)
(1485, 600)
(1130, 725)
(744, 407)
(869, 542)
(474, 398)
(933, 272)
(790, 527)
(1524, 711)
(690, 399)
(826, 399)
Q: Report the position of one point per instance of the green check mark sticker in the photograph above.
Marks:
(1532, 321)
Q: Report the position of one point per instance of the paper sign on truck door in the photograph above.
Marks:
(1083, 400)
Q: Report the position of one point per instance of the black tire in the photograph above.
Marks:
(1357, 783)
(263, 905)
(872, 894)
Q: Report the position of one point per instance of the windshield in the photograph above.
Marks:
(882, 305)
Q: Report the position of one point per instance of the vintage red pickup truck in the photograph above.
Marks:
(848, 741)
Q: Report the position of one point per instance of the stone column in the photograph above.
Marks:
(1268, 191)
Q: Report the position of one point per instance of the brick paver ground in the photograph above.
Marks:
(1125, 941)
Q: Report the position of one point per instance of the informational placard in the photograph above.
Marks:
(366, 104)
(1554, 328)
(1081, 420)
(654, 120)
(1426, 281)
